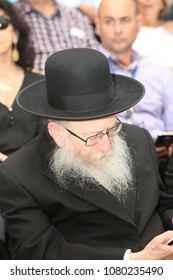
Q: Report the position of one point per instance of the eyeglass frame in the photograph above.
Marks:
(118, 127)
(5, 22)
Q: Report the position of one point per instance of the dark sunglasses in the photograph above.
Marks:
(4, 22)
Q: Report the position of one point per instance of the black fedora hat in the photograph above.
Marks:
(78, 85)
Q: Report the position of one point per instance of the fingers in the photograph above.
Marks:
(164, 237)
(162, 151)
(2, 157)
(156, 249)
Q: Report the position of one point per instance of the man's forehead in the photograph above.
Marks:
(95, 124)
(117, 8)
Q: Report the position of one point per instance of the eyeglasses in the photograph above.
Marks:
(4, 22)
(93, 140)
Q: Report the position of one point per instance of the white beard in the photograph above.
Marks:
(113, 170)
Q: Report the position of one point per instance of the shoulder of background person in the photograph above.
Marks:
(154, 69)
(31, 77)
(168, 25)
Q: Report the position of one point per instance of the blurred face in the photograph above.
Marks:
(34, 2)
(7, 37)
(153, 6)
(117, 25)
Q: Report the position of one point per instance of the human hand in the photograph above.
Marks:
(2, 157)
(89, 11)
(156, 249)
(162, 151)
(163, 154)
(170, 149)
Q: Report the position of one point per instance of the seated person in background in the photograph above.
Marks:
(55, 27)
(169, 15)
(155, 38)
(169, 176)
(88, 7)
(17, 126)
(117, 25)
(88, 187)
(152, 13)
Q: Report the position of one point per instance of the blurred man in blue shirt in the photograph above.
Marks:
(117, 25)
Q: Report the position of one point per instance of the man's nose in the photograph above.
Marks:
(105, 144)
(117, 27)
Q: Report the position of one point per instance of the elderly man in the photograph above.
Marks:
(118, 23)
(88, 187)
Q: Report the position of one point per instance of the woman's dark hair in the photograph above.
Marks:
(166, 8)
(24, 45)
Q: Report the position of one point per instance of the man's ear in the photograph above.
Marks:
(56, 132)
(139, 21)
(97, 25)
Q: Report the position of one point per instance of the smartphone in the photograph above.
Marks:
(164, 139)
(170, 241)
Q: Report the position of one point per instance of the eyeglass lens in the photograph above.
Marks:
(96, 138)
(4, 22)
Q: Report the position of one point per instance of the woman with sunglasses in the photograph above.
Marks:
(17, 127)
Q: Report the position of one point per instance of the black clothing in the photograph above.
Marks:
(45, 221)
(17, 126)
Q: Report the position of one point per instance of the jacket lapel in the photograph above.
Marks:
(103, 199)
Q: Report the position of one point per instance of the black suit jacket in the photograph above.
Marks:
(45, 221)
(4, 253)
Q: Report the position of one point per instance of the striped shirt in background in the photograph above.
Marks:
(67, 28)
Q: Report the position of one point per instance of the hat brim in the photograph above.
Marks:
(128, 92)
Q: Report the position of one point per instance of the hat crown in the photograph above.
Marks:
(78, 74)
